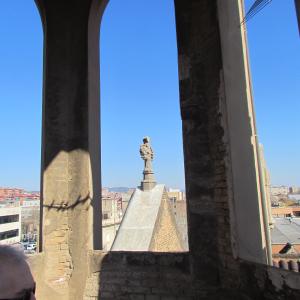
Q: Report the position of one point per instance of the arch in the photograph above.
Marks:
(140, 95)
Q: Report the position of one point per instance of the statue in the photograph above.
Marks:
(147, 155)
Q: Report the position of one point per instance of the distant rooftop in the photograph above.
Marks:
(285, 231)
(148, 223)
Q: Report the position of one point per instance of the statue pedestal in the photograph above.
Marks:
(148, 182)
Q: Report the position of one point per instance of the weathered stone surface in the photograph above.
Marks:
(71, 215)
(202, 130)
(157, 276)
(166, 236)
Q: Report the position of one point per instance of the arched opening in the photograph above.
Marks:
(140, 97)
(21, 56)
(274, 55)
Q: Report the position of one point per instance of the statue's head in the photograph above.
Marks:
(146, 139)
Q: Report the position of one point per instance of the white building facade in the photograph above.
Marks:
(279, 190)
(10, 223)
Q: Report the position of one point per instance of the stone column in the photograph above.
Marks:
(70, 171)
(148, 182)
(199, 59)
(222, 183)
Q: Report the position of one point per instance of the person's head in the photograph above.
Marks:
(16, 281)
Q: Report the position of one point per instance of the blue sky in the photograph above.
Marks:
(274, 47)
(139, 91)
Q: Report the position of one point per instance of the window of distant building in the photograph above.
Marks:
(9, 234)
(9, 219)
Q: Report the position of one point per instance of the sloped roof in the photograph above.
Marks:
(140, 221)
(286, 231)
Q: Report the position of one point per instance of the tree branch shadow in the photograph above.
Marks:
(64, 205)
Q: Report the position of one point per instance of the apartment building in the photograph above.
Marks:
(10, 223)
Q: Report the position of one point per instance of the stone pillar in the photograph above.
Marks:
(148, 182)
(70, 172)
(200, 63)
(222, 183)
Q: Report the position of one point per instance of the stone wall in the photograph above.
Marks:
(149, 276)
(142, 276)
(167, 276)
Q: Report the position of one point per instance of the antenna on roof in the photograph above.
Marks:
(257, 6)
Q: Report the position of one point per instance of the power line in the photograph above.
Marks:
(257, 6)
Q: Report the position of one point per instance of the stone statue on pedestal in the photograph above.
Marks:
(147, 155)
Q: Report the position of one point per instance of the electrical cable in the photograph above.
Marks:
(254, 9)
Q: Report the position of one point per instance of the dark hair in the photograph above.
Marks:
(25, 294)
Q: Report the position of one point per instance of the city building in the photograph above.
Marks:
(111, 205)
(176, 194)
(286, 212)
(29, 205)
(178, 205)
(30, 220)
(279, 190)
(286, 243)
(10, 192)
(125, 198)
(286, 231)
(111, 216)
(295, 198)
(294, 190)
(10, 223)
